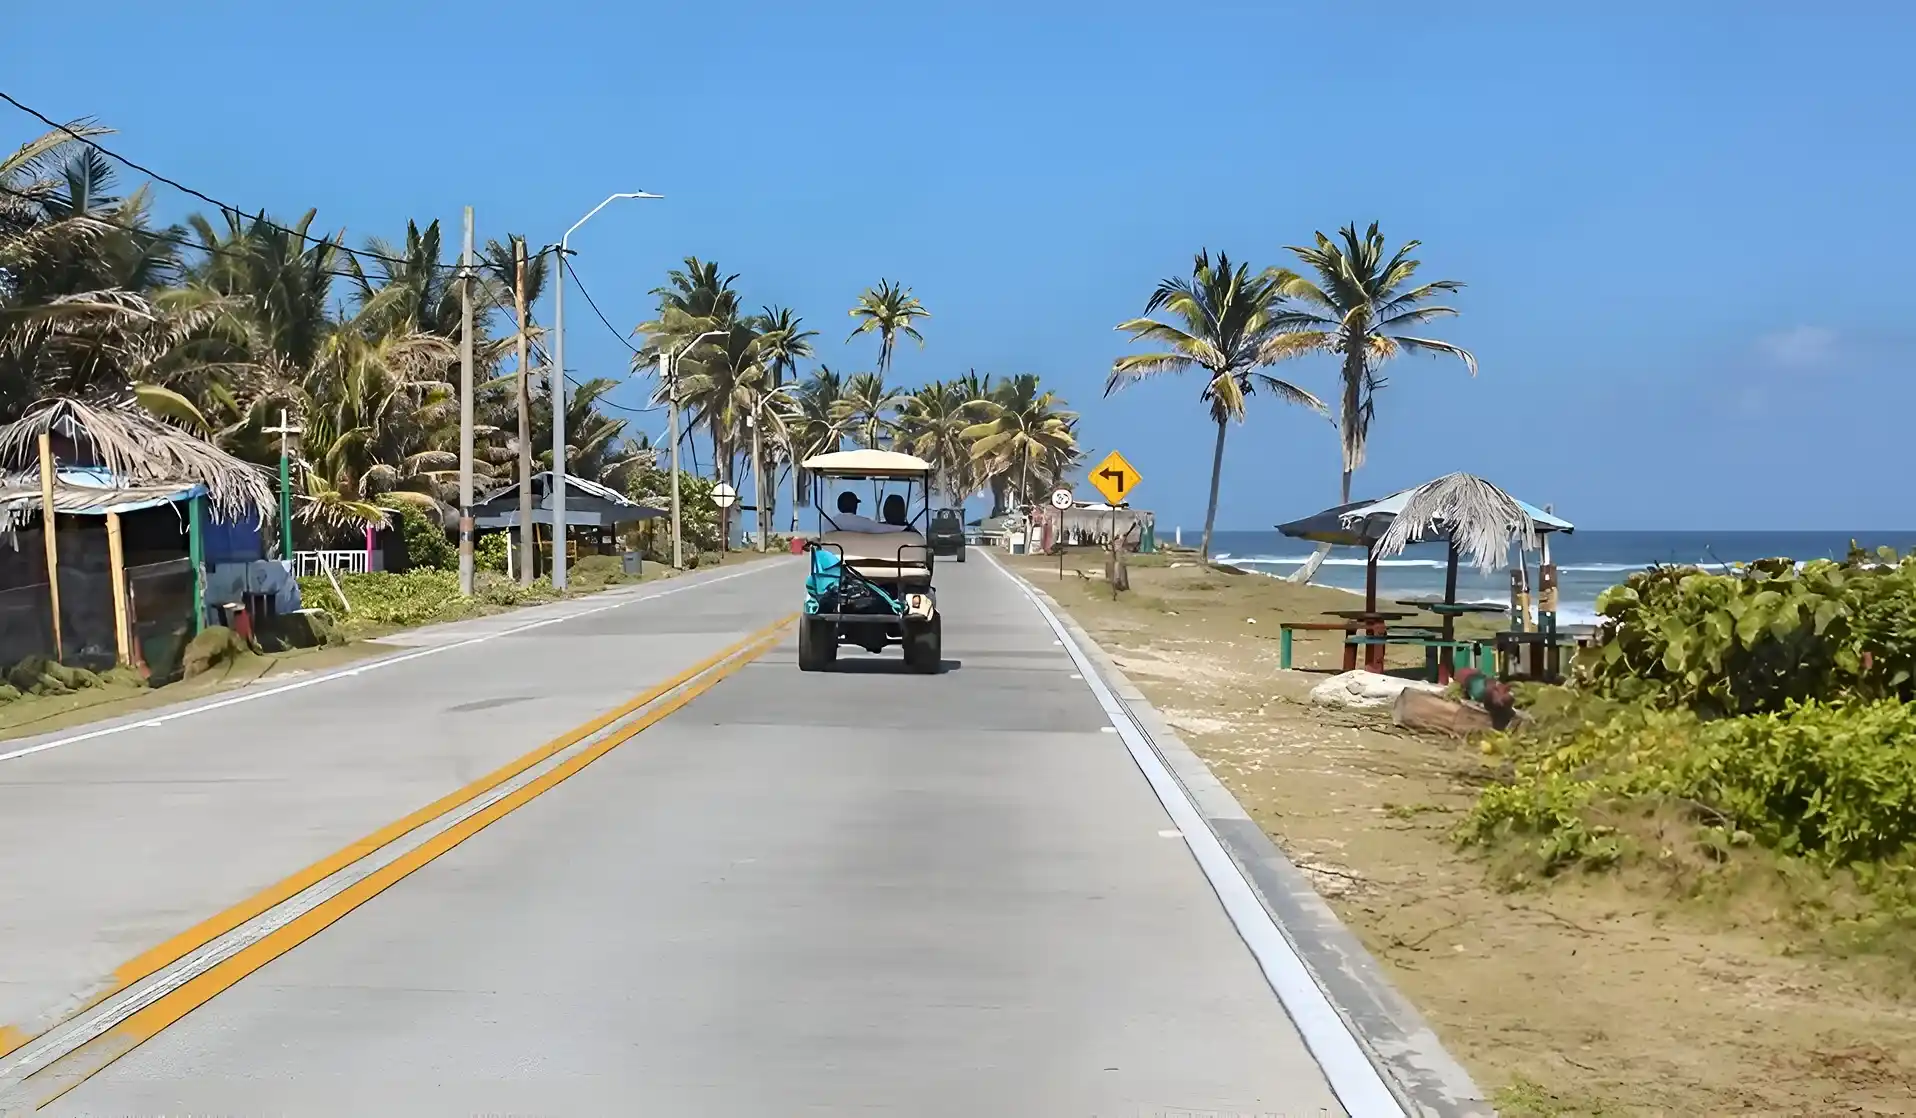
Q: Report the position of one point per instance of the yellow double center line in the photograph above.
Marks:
(67, 1072)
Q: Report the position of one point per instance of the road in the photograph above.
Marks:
(857, 892)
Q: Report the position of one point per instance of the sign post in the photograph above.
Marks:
(724, 496)
(1060, 500)
(1115, 478)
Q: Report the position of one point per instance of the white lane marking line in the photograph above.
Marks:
(249, 696)
(1357, 1083)
(1107, 729)
(1170, 834)
(1075, 675)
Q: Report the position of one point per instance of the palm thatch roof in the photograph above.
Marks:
(139, 451)
(1479, 519)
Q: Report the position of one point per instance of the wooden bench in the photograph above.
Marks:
(1284, 631)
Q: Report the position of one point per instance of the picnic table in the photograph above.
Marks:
(1450, 612)
(1375, 624)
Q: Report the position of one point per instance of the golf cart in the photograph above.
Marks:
(869, 581)
(947, 533)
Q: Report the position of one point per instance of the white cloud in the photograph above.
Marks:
(1799, 347)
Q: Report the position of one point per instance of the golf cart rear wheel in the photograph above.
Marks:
(817, 644)
(924, 646)
(961, 555)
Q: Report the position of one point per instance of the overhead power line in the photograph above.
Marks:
(225, 207)
(591, 302)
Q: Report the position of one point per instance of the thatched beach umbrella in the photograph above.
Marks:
(1477, 518)
(139, 451)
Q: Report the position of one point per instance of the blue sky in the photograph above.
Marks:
(1679, 222)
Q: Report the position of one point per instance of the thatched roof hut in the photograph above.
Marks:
(116, 456)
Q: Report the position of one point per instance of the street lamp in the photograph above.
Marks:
(669, 377)
(757, 425)
(556, 497)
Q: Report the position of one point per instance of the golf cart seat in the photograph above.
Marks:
(877, 555)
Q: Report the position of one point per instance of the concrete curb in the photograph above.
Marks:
(1425, 1078)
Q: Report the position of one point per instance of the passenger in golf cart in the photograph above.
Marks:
(870, 582)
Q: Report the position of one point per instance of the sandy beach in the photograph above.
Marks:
(1593, 996)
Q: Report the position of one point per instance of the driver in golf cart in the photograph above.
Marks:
(847, 518)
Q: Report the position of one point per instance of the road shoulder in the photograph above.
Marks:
(1395, 1038)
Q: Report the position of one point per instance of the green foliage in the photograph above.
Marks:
(1832, 783)
(386, 597)
(489, 552)
(428, 546)
(1758, 638)
(698, 522)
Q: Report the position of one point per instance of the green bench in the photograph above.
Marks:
(1466, 653)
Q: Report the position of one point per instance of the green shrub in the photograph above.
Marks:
(1757, 638)
(1834, 783)
(385, 597)
(489, 552)
(428, 545)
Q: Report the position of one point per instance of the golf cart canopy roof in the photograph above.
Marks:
(867, 463)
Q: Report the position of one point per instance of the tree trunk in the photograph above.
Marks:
(758, 487)
(1210, 512)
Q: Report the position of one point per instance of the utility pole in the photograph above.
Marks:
(284, 430)
(528, 547)
(758, 475)
(555, 388)
(465, 412)
(672, 396)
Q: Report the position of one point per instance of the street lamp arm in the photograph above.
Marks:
(594, 210)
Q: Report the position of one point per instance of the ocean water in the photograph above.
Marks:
(1588, 562)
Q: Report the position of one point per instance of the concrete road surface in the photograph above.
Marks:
(858, 892)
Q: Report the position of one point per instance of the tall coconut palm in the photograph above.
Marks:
(1359, 309)
(814, 424)
(866, 406)
(1026, 434)
(888, 310)
(783, 340)
(1221, 324)
(931, 424)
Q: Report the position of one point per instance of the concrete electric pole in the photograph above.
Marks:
(465, 412)
(528, 546)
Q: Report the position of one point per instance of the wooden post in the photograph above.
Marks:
(47, 532)
(116, 562)
(196, 555)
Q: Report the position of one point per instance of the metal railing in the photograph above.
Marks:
(319, 562)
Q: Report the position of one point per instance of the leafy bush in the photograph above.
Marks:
(1835, 783)
(489, 552)
(428, 545)
(386, 597)
(1757, 638)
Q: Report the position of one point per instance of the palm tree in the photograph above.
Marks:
(1358, 310)
(1222, 325)
(814, 424)
(782, 341)
(1025, 434)
(866, 405)
(931, 424)
(888, 310)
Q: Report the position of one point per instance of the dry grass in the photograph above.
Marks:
(1597, 996)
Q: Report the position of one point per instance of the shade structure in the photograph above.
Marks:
(1472, 515)
(588, 504)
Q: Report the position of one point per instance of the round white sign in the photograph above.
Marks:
(1061, 499)
(724, 496)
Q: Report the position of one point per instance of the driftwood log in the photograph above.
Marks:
(1421, 710)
